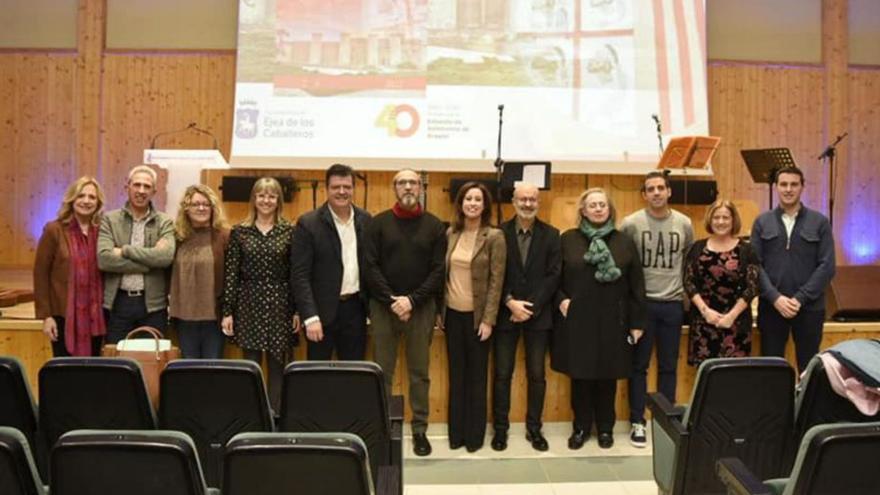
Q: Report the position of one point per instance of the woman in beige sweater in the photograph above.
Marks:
(475, 262)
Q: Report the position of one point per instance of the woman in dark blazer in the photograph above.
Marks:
(68, 290)
(475, 260)
(602, 305)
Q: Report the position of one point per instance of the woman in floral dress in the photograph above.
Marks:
(720, 279)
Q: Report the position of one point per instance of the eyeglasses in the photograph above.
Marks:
(199, 206)
(526, 200)
(407, 182)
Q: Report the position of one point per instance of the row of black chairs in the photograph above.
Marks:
(209, 400)
(151, 462)
(744, 408)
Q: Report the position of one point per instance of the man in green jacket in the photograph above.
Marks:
(135, 247)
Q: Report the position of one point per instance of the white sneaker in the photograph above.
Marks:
(637, 436)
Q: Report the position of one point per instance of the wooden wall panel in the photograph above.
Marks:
(144, 94)
(36, 147)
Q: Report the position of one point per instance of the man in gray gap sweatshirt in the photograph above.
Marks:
(663, 237)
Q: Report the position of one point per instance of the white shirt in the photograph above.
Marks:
(348, 239)
(789, 221)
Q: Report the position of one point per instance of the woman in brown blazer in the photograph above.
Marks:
(197, 273)
(475, 262)
(68, 290)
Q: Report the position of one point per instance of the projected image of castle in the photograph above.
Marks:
(363, 47)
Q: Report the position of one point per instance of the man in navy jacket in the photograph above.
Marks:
(326, 263)
(796, 248)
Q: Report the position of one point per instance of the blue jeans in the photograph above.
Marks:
(130, 312)
(663, 325)
(200, 339)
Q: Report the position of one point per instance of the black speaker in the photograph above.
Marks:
(852, 294)
(699, 192)
(237, 189)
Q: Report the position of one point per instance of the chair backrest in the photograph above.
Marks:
(92, 393)
(212, 401)
(817, 403)
(301, 463)
(17, 409)
(338, 396)
(18, 472)
(837, 458)
(741, 407)
(126, 461)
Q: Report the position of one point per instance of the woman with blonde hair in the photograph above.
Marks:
(601, 301)
(720, 279)
(68, 290)
(197, 273)
(258, 308)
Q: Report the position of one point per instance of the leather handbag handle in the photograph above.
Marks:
(154, 332)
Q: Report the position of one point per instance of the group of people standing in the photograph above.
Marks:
(597, 297)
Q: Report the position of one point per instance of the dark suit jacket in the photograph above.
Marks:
(316, 263)
(537, 279)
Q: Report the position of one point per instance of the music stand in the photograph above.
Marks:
(763, 164)
(536, 173)
(689, 152)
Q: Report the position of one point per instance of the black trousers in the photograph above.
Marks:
(593, 400)
(468, 374)
(276, 375)
(347, 335)
(805, 328)
(60, 350)
(505, 343)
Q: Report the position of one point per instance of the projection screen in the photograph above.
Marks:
(386, 83)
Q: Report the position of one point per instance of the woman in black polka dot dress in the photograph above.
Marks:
(258, 311)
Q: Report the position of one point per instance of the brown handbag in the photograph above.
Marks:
(152, 362)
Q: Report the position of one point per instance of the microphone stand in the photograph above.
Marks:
(499, 164)
(191, 125)
(829, 153)
(659, 132)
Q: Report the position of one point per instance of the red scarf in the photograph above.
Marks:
(400, 212)
(85, 292)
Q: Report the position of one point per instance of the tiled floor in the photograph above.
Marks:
(621, 470)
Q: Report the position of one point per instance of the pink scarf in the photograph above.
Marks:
(85, 292)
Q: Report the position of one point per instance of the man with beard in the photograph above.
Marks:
(796, 249)
(530, 280)
(405, 250)
(135, 247)
(663, 237)
(325, 273)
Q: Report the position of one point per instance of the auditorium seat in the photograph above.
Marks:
(212, 401)
(301, 463)
(817, 403)
(92, 393)
(18, 472)
(17, 407)
(126, 462)
(740, 407)
(343, 396)
(832, 459)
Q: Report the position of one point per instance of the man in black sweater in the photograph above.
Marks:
(405, 252)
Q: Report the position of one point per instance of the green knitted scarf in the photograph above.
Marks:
(598, 253)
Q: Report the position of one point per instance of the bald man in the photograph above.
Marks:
(405, 257)
(533, 265)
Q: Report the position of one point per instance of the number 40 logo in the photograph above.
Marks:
(399, 120)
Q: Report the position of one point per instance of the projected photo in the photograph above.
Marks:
(579, 79)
